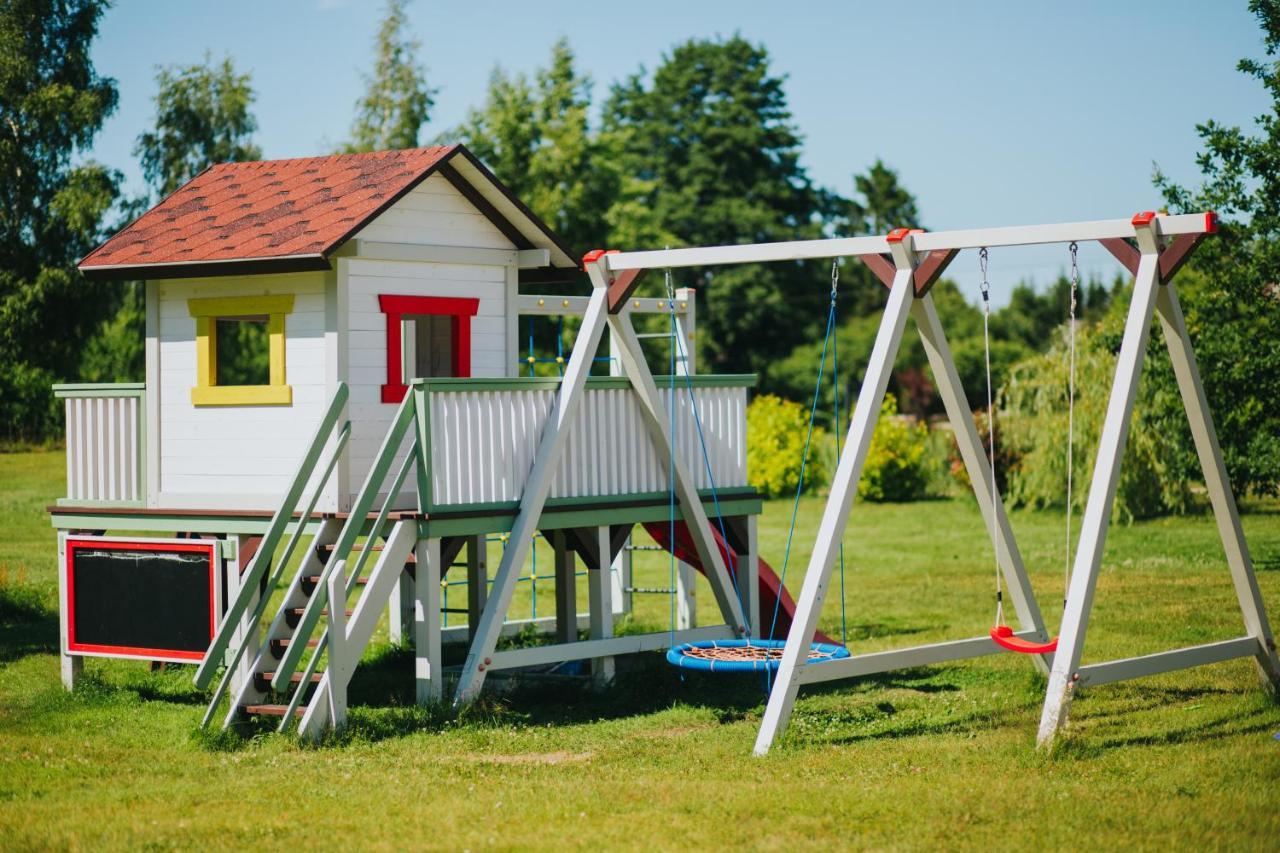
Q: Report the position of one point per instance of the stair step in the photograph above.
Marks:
(310, 582)
(272, 710)
(293, 616)
(325, 550)
(264, 679)
(280, 644)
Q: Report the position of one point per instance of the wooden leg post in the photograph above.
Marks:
(72, 666)
(1097, 514)
(1219, 487)
(400, 611)
(600, 602)
(538, 484)
(836, 513)
(477, 580)
(428, 663)
(566, 589)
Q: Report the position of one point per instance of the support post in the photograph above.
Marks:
(338, 669)
(685, 329)
(844, 487)
(477, 579)
(600, 602)
(750, 578)
(246, 633)
(428, 663)
(400, 611)
(537, 485)
(566, 589)
(1102, 490)
(1218, 486)
(694, 515)
(71, 666)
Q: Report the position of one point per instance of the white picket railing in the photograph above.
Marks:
(105, 444)
(483, 440)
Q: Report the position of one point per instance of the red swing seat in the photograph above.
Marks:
(1003, 636)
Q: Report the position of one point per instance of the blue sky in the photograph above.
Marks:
(995, 113)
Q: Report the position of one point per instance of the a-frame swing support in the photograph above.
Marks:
(908, 262)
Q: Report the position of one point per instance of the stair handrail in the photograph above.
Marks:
(351, 530)
(339, 563)
(252, 576)
(260, 608)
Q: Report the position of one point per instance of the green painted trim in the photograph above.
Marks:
(551, 383)
(597, 501)
(502, 523)
(99, 389)
(168, 524)
(140, 504)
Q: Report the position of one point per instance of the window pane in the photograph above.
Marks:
(433, 340)
(243, 351)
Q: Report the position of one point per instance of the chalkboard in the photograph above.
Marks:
(152, 599)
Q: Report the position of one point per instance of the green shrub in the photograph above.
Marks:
(1032, 422)
(898, 462)
(776, 430)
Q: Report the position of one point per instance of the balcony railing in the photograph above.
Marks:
(106, 430)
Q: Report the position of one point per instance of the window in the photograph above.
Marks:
(240, 351)
(427, 337)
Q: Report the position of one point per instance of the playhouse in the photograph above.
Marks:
(364, 282)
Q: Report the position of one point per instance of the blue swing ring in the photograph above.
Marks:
(744, 655)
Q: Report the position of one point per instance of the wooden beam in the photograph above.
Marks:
(931, 269)
(881, 266)
(1176, 254)
(621, 286)
(1123, 251)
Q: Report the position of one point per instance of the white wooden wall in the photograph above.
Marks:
(103, 448)
(487, 451)
(433, 214)
(239, 457)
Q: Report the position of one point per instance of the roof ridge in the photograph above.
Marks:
(395, 152)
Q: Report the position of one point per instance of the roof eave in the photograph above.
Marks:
(206, 269)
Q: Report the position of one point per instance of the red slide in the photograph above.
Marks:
(771, 588)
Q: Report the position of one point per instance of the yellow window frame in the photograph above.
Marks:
(207, 391)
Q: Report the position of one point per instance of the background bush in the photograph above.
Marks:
(899, 464)
(1032, 425)
(776, 430)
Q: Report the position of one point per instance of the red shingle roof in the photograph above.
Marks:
(266, 211)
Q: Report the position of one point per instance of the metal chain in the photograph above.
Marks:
(991, 427)
(1071, 407)
(835, 277)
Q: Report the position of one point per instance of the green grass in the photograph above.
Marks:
(919, 759)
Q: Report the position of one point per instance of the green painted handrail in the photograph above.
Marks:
(551, 383)
(99, 389)
(346, 540)
(252, 576)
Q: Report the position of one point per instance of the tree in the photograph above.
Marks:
(397, 101)
(52, 104)
(710, 156)
(537, 139)
(1229, 292)
(202, 117)
(880, 204)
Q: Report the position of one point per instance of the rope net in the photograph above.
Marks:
(744, 655)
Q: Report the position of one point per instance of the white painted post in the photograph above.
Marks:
(1218, 485)
(566, 589)
(978, 467)
(686, 365)
(536, 487)
(400, 611)
(477, 579)
(340, 665)
(1102, 490)
(428, 669)
(844, 487)
(695, 516)
(621, 569)
(600, 604)
(750, 573)
(246, 632)
(71, 666)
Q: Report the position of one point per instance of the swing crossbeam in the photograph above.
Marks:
(923, 242)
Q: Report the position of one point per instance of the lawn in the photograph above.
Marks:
(934, 757)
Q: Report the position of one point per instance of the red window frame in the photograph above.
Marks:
(461, 310)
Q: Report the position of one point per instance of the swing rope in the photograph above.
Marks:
(985, 287)
(1071, 411)
(763, 655)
